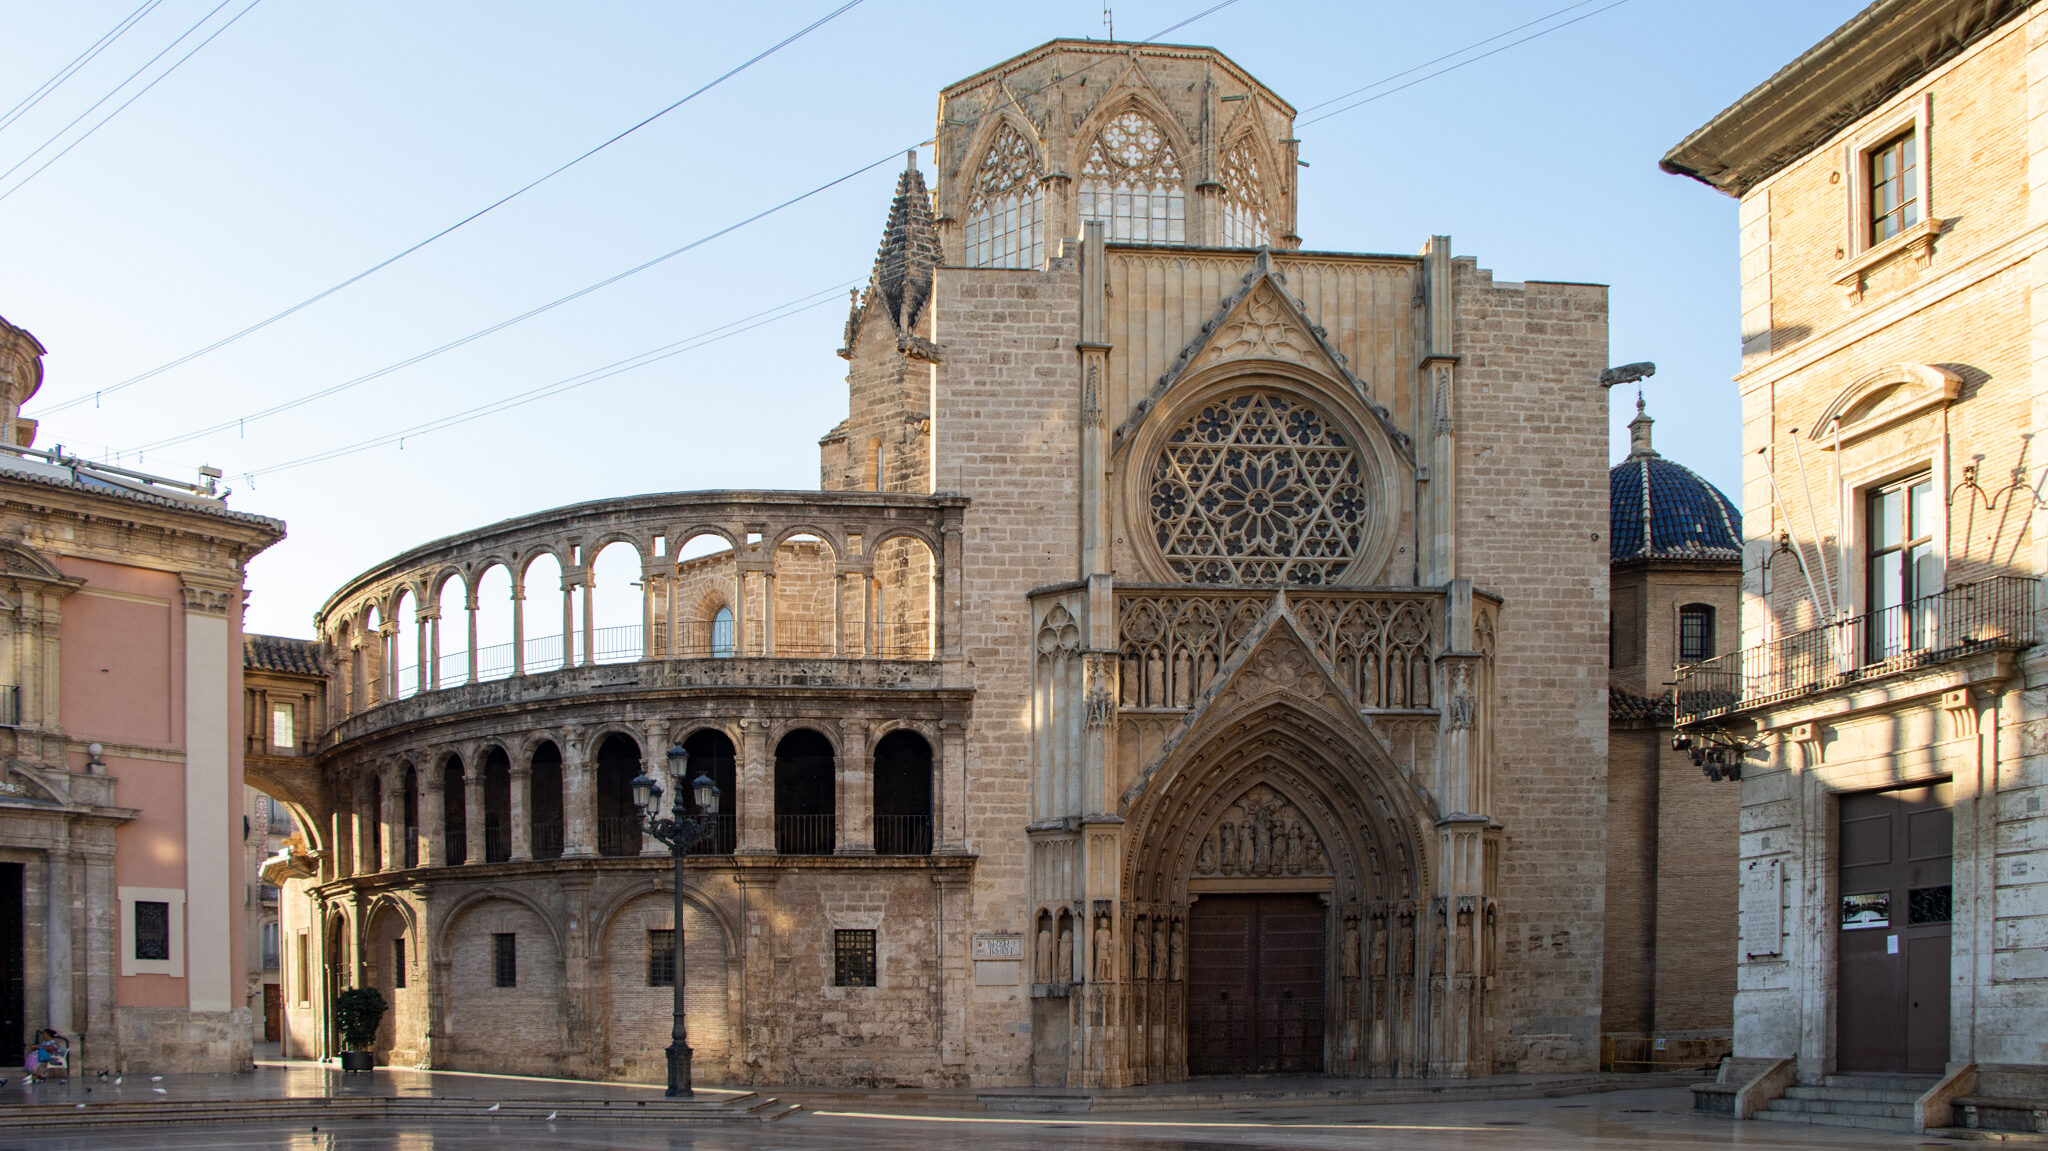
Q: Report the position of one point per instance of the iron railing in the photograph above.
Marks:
(619, 835)
(725, 834)
(412, 847)
(806, 834)
(458, 846)
(497, 844)
(1997, 613)
(903, 835)
(547, 839)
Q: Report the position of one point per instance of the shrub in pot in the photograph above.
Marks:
(357, 1013)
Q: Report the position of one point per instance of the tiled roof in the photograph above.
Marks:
(81, 480)
(1623, 704)
(281, 653)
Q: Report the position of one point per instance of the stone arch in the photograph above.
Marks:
(635, 1007)
(1281, 744)
(1000, 196)
(1247, 142)
(1884, 397)
(1102, 190)
(479, 1012)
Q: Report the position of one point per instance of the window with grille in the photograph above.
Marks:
(398, 963)
(1132, 182)
(1244, 210)
(1006, 210)
(661, 958)
(1695, 633)
(283, 732)
(1893, 169)
(152, 930)
(505, 960)
(853, 958)
(270, 941)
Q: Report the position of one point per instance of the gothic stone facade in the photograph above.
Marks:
(1193, 663)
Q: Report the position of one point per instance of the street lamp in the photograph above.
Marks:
(680, 833)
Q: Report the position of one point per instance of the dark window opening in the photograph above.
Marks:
(497, 806)
(454, 812)
(853, 958)
(804, 809)
(903, 794)
(409, 851)
(375, 820)
(152, 930)
(711, 753)
(505, 960)
(618, 824)
(661, 958)
(398, 963)
(1695, 633)
(544, 802)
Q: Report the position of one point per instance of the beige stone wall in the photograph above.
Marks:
(1006, 435)
(1532, 524)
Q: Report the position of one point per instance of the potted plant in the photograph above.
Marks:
(357, 1012)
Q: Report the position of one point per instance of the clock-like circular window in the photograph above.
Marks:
(1257, 487)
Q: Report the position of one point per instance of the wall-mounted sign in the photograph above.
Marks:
(999, 945)
(1870, 909)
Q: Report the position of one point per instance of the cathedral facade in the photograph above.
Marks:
(1193, 662)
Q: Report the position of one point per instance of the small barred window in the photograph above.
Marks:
(152, 930)
(853, 958)
(661, 958)
(505, 960)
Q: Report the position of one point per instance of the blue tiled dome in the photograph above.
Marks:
(1661, 510)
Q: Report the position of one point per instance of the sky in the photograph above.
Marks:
(307, 142)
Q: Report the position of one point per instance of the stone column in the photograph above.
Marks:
(433, 816)
(755, 804)
(579, 799)
(472, 805)
(393, 817)
(854, 798)
(518, 631)
(768, 612)
(949, 790)
(430, 671)
(522, 824)
(469, 609)
(589, 610)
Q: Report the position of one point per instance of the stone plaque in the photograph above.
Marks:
(999, 945)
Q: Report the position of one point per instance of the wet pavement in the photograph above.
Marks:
(1654, 1118)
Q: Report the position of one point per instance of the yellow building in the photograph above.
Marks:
(1885, 715)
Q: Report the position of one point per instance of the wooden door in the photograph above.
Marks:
(273, 1013)
(1255, 984)
(1892, 938)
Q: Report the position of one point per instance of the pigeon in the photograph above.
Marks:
(117, 1080)
(159, 1091)
(494, 1107)
(552, 1114)
(156, 1079)
(81, 1106)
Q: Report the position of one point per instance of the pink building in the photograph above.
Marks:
(121, 880)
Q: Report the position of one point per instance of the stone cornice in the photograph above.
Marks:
(1880, 52)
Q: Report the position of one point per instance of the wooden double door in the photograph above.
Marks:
(1256, 974)
(1892, 931)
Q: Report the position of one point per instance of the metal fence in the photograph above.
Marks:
(806, 834)
(903, 835)
(1990, 614)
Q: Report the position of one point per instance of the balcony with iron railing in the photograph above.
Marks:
(1997, 614)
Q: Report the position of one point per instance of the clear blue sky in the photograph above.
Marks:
(311, 140)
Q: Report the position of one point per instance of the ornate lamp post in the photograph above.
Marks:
(680, 833)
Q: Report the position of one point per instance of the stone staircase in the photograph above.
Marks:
(1873, 1102)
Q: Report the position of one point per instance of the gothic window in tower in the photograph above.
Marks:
(1244, 202)
(1257, 487)
(1132, 182)
(1005, 213)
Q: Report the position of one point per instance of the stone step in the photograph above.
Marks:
(1917, 1084)
(1854, 1094)
(751, 1107)
(1867, 1122)
(1844, 1107)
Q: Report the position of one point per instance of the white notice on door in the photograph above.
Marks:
(1891, 945)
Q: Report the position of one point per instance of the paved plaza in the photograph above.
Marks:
(1654, 1118)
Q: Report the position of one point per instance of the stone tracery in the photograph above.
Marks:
(1005, 210)
(1244, 209)
(1259, 488)
(1132, 181)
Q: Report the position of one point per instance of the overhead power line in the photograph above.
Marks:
(480, 333)
(98, 46)
(95, 396)
(116, 90)
(1460, 64)
(1444, 57)
(781, 311)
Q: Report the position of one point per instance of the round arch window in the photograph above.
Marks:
(1258, 487)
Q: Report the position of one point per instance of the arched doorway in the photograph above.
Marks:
(1277, 869)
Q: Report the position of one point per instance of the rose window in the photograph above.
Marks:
(1259, 488)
